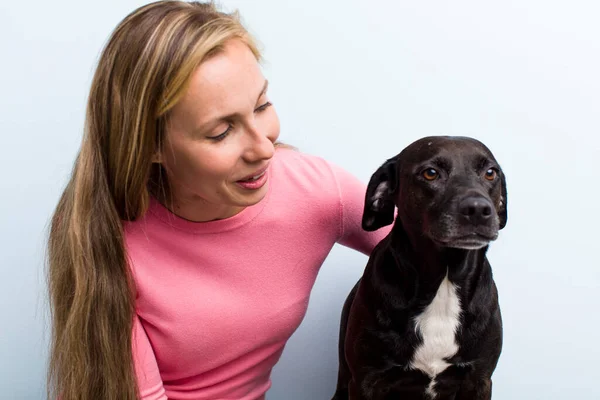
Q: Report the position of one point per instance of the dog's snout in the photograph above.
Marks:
(477, 209)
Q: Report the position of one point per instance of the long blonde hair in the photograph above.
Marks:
(142, 73)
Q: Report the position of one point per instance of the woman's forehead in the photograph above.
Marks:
(225, 82)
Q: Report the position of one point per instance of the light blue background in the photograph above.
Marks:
(354, 82)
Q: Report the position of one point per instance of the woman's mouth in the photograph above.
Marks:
(255, 181)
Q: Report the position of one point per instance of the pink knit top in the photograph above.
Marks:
(217, 301)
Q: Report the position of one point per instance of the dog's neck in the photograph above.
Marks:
(430, 263)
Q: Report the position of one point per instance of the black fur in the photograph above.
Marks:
(443, 227)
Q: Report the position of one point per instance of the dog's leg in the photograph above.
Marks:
(475, 390)
(344, 374)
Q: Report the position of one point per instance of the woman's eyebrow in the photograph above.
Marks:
(214, 120)
(264, 90)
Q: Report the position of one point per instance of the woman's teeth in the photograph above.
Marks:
(255, 177)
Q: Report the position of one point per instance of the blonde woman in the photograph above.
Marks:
(184, 248)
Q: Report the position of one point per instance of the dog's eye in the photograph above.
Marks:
(430, 174)
(490, 174)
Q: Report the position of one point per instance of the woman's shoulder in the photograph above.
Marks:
(311, 174)
(311, 170)
(290, 161)
(310, 177)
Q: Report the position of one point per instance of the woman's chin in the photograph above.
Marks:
(246, 197)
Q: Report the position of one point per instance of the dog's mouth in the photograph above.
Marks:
(471, 241)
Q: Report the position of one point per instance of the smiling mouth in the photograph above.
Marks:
(253, 178)
(254, 182)
(256, 176)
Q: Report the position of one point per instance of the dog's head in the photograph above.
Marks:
(448, 189)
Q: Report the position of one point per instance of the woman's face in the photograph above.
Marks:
(220, 137)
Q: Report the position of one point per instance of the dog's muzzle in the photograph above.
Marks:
(471, 224)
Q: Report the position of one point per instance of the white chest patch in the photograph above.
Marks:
(437, 325)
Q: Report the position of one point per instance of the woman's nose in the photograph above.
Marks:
(260, 145)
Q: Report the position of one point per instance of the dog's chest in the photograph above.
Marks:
(437, 326)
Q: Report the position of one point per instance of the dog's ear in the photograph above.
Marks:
(379, 200)
(503, 207)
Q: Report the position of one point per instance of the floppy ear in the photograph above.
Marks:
(503, 207)
(379, 200)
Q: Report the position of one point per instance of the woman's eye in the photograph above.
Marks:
(230, 127)
(263, 107)
(431, 174)
(222, 135)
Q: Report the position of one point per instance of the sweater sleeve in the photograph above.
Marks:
(146, 369)
(351, 204)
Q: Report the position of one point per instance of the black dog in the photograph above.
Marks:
(424, 321)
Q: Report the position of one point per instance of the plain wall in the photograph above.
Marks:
(354, 82)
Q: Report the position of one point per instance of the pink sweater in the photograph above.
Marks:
(218, 300)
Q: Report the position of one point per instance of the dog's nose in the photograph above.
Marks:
(476, 209)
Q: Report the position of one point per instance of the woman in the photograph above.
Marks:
(185, 245)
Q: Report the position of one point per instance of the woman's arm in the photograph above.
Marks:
(146, 369)
(352, 199)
